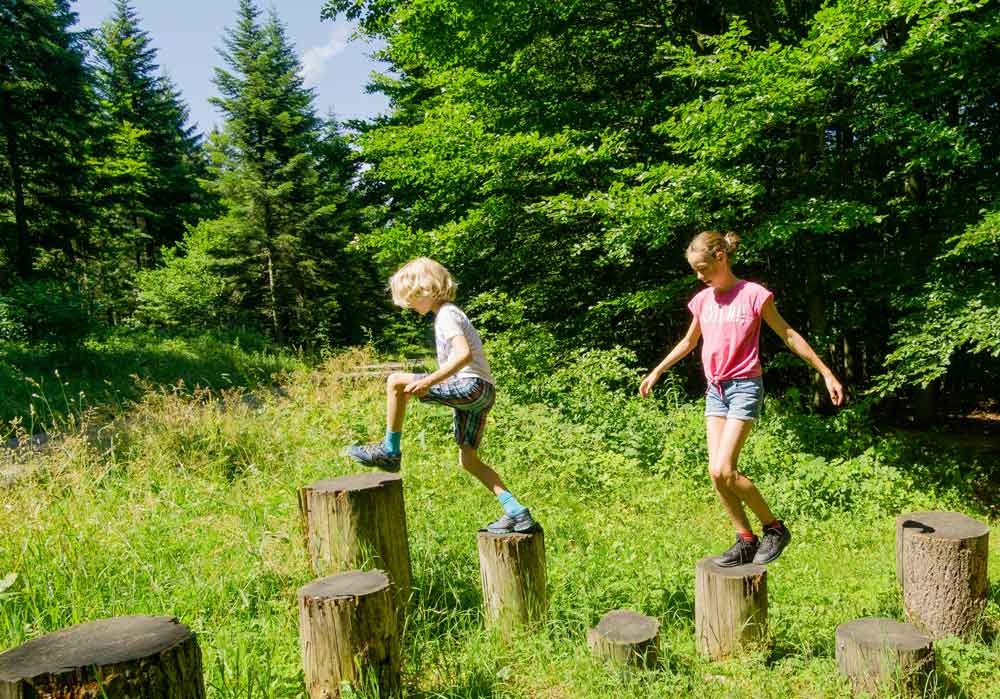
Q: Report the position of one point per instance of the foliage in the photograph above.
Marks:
(44, 311)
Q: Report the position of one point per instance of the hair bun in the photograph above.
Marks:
(732, 241)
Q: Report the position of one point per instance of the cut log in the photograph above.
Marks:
(512, 572)
(730, 607)
(941, 565)
(626, 637)
(133, 656)
(883, 653)
(358, 522)
(348, 633)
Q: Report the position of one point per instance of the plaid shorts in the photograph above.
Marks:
(471, 399)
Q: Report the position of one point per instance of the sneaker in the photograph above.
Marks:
(774, 541)
(738, 554)
(375, 456)
(507, 524)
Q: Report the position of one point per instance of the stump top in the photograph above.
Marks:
(356, 481)
(626, 626)
(355, 583)
(513, 536)
(943, 525)
(709, 565)
(97, 643)
(874, 632)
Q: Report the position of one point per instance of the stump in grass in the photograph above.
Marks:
(358, 522)
(876, 653)
(133, 656)
(348, 633)
(730, 607)
(941, 561)
(512, 572)
(625, 637)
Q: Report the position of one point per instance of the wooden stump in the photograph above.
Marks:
(941, 561)
(133, 656)
(625, 637)
(358, 522)
(884, 653)
(730, 607)
(348, 633)
(512, 572)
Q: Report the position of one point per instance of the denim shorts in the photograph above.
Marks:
(738, 398)
(471, 400)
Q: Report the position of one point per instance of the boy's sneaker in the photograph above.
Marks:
(740, 553)
(773, 542)
(375, 456)
(508, 524)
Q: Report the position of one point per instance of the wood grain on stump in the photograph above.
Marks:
(348, 633)
(512, 573)
(941, 565)
(358, 522)
(884, 653)
(133, 656)
(730, 607)
(626, 637)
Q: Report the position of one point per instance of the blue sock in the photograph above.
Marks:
(510, 504)
(392, 442)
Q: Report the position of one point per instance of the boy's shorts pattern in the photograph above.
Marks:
(737, 398)
(471, 399)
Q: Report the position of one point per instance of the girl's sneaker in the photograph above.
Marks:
(774, 541)
(507, 524)
(375, 456)
(740, 553)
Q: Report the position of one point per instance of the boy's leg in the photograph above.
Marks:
(469, 458)
(386, 454)
(396, 400)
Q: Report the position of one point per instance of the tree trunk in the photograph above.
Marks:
(22, 245)
(358, 522)
(730, 607)
(884, 654)
(941, 564)
(137, 656)
(626, 637)
(348, 632)
(272, 295)
(512, 572)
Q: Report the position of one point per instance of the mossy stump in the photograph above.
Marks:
(730, 607)
(626, 638)
(512, 573)
(885, 654)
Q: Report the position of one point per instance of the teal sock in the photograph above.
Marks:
(510, 504)
(392, 442)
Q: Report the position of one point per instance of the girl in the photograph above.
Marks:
(728, 314)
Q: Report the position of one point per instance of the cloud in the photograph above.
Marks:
(314, 60)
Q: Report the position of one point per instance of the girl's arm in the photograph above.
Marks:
(797, 344)
(460, 356)
(680, 350)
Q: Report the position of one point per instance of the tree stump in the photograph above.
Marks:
(941, 561)
(626, 637)
(358, 522)
(154, 657)
(730, 607)
(877, 653)
(348, 633)
(512, 572)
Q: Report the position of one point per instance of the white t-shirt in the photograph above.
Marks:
(450, 322)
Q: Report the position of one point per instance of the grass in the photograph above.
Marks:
(189, 510)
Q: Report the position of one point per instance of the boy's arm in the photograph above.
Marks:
(797, 344)
(680, 350)
(461, 354)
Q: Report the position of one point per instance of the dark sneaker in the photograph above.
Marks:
(375, 456)
(738, 554)
(507, 524)
(773, 542)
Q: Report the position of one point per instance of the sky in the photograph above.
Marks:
(187, 34)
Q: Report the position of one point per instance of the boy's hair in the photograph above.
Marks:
(422, 277)
(708, 243)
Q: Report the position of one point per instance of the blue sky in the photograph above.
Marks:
(186, 34)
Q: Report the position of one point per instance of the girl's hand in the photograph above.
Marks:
(647, 383)
(835, 390)
(418, 388)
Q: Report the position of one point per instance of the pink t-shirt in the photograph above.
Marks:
(730, 330)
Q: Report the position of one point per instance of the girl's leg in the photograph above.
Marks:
(396, 400)
(726, 438)
(469, 458)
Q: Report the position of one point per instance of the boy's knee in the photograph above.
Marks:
(396, 382)
(467, 458)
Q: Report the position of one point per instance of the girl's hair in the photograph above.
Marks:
(708, 243)
(422, 277)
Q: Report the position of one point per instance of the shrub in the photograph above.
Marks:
(44, 311)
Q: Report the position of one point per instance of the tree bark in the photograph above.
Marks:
(22, 245)
(512, 572)
(730, 607)
(357, 523)
(626, 637)
(882, 653)
(137, 656)
(348, 632)
(941, 565)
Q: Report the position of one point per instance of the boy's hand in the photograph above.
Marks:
(418, 388)
(835, 390)
(647, 383)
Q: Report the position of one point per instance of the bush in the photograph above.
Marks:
(44, 311)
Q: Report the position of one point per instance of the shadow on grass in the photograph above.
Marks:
(474, 684)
